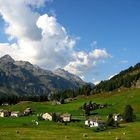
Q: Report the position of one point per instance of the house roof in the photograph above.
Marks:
(2, 110)
(116, 114)
(28, 108)
(66, 115)
(50, 113)
(15, 112)
(98, 121)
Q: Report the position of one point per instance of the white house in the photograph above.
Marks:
(16, 114)
(94, 123)
(4, 113)
(66, 117)
(27, 111)
(117, 117)
(47, 116)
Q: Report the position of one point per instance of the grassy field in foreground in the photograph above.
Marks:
(23, 128)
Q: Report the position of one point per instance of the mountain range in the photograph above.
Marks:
(24, 78)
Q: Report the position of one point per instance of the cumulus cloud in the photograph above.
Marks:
(84, 61)
(42, 40)
(20, 19)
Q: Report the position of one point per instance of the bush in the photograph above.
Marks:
(40, 118)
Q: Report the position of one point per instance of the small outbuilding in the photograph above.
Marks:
(4, 113)
(28, 111)
(94, 123)
(66, 117)
(16, 114)
(47, 116)
(117, 117)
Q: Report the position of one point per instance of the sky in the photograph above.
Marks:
(94, 39)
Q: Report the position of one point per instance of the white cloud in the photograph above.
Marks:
(36, 3)
(42, 40)
(20, 19)
(99, 54)
(84, 61)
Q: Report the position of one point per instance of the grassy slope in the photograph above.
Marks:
(75, 131)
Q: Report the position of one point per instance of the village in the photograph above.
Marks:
(91, 121)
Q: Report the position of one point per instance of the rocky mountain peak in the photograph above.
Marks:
(23, 63)
(69, 76)
(60, 70)
(25, 78)
(7, 59)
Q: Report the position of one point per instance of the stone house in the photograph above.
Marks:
(27, 111)
(66, 117)
(117, 117)
(4, 113)
(47, 116)
(16, 114)
(94, 123)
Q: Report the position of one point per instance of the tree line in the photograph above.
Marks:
(58, 96)
(126, 78)
(13, 99)
(70, 93)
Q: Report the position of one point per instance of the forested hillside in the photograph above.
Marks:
(125, 79)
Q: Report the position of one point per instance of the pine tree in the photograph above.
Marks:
(128, 113)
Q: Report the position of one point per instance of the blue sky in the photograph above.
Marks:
(111, 25)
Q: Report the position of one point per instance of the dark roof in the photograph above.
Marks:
(66, 115)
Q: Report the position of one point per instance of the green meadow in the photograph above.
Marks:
(23, 128)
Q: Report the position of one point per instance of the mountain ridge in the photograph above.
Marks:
(26, 79)
(129, 78)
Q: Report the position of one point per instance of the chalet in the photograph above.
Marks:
(47, 116)
(66, 117)
(16, 114)
(27, 111)
(117, 117)
(4, 113)
(94, 123)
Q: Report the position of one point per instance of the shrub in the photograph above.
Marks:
(40, 118)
